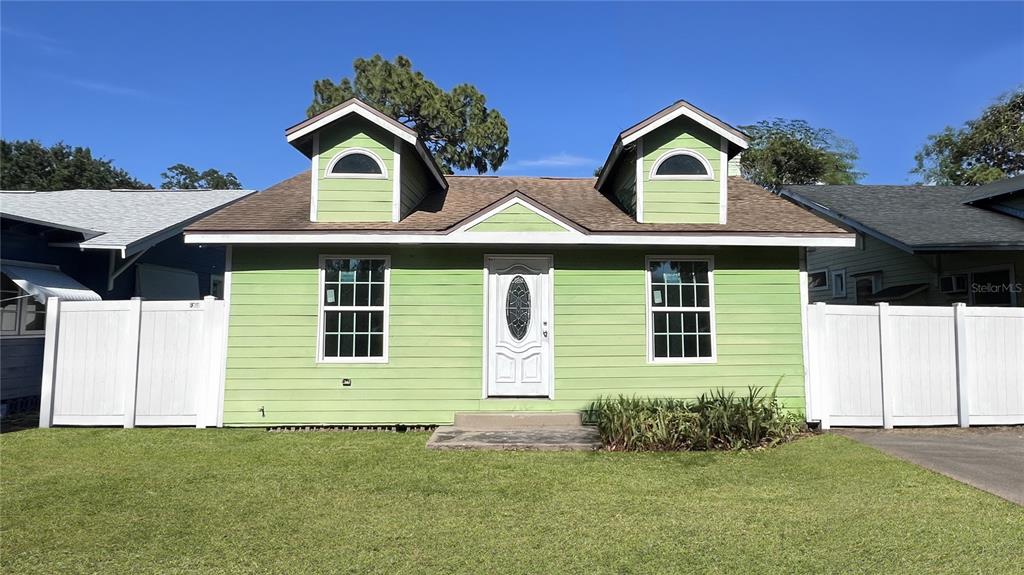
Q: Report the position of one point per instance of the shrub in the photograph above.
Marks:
(715, 420)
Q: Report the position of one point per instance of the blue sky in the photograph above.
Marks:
(215, 85)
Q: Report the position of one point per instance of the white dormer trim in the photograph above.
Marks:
(314, 184)
(723, 183)
(688, 112)
(517, 201)
(383, 175)
(640, 181)
(396, 190)
(353, 108)
(710, 175)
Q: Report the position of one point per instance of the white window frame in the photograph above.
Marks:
(20, 311)
(832, 274)
(383, 175)
(828, 280)
(710, 260)
(876, 283)
(682, 152)
(321, 308)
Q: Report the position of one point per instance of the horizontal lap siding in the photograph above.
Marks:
(436, 336)
(601, 341)
(21, 367)
(517, 218)
(355, 199)
(681, 201)
(415, 184)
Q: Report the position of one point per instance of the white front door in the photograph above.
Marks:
(518, 326)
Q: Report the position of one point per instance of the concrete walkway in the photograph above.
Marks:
(541, 439)
(989, 458)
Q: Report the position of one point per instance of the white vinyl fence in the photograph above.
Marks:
(907, 365)
(133, 362)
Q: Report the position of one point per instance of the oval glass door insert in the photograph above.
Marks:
(517, 307)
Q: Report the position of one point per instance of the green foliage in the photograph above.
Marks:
(184, 177)
(717, 420)
(28, 165)
(984, 150)
(457, 127)
(791, 152)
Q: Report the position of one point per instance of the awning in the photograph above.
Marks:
(896, 293)
(42, 283)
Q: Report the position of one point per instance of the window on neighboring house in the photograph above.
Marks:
(20, 313)
(356, 163)
(817, 280)
(865, 285)
(353, 316)
(839, 283)
(682, 165)
(992, 287)
(681, 301)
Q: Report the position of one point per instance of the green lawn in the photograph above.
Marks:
(249, 501)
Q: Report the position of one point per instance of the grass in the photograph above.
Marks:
(249, 501)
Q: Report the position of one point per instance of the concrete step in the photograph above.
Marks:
(502, 420)
(536, 439)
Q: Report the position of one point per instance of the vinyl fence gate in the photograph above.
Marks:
(133, 362)
(892, 366)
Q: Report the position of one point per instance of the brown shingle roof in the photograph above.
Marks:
(285, 207)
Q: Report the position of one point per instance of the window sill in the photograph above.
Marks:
(682, 360)
(352, 360)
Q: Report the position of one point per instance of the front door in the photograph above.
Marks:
(518, 326)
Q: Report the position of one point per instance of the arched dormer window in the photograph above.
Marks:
(682, 165)
(356, 163)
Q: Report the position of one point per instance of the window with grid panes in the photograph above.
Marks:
(681, 309)
(353, 322)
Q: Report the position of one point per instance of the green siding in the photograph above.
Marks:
(354, 199)
(436, 327)
(517, 218)
(681, 201)
(415, 181)
(624, 183)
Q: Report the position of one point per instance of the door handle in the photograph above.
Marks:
(545, 324)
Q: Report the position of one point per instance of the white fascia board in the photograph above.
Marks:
(353, 108)
(691, 114)
(524, 238)
(507, 204)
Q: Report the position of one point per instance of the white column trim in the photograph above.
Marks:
(314, 178)
(396, 180)
(723, 176)
(640, 181)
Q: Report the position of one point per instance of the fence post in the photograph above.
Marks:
(210, 349)
(132, 389)
(49, 380)
(822, 397)
(960, 352)
(884, 338)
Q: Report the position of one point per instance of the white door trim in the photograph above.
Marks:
(549, 306)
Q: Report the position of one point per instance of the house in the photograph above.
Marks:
(90, 245)
(372, 288)
(920, 245)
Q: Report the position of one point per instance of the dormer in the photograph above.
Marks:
(673, 167)
(366, 166)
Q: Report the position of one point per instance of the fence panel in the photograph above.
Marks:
(905, 365)
(133, 363)
(995, 356)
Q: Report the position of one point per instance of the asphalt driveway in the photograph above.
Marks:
(989, 458)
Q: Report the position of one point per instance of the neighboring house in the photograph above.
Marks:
(90, 245)
(920, 245)
(373, 289)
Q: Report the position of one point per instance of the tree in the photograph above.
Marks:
(456, 126)
(986, 149)
(28, 165)
(791, 152)
(184, 177)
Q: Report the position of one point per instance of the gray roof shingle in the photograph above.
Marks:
(921, 218)
(116, 218)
